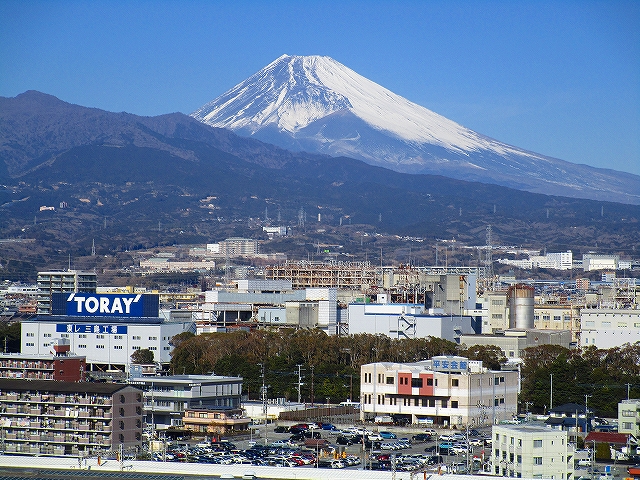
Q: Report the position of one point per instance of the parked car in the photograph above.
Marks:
(281, 429)
(387, 435)
(421, 437)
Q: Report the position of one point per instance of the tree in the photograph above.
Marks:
(143, 356)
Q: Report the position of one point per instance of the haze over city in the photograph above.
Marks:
(557, 78)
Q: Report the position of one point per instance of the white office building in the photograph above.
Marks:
(445, 391)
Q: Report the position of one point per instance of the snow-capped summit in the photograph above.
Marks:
(315, 103)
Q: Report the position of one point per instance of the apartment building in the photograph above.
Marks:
(68, 368)
(69, 281)
(531, 451)
(445, 390)
(47, 417)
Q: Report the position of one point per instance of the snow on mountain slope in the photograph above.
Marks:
(316, 104)
(294, 91)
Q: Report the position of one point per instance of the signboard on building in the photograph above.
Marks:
(102, 329)
(450, 364)
(80, 304)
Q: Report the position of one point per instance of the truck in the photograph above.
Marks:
(383, 420)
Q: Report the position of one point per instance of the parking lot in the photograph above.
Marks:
(344, 446)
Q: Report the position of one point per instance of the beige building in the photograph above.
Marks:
(531, 451)
(629, 417)
(207, 421)
(558, 317)
(446, 390)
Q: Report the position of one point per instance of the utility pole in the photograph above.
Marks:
(586, 413)
(299, 383)
(264, 403)
(551, 393)
(312, 399)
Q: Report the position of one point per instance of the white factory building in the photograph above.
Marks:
(398, 320)
(106, 328)
(609, 327)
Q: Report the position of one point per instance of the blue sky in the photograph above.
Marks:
(561, 78)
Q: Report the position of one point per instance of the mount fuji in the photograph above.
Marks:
(316, 104)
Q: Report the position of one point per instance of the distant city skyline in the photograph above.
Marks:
(560, 78)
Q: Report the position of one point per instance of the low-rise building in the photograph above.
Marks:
(167, 398)
(47, 417)
(629, 417)
(513, 342)
(446, 390)
(215, 421)
(531, 451)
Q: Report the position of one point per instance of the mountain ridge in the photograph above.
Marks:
(316, 104)
(118, 178)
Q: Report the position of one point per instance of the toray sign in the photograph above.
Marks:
(104, 305)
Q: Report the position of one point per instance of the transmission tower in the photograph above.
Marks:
(488, 261)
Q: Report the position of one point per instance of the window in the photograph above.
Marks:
(122, 412)
(556, 318)
(138, 436)
(537, 444)
(47, 334)
(445, 403)
(455, 382)
(454, 404)
(429, 382)
(29, 344)
(135, 347)
(30, 334)
(416, 383)
(153, 338)
(606, 324)
(82, 336)
(135, 337)
(122, 399)
(627, 425)
(537, 460)
(138, 410)
(99, 336)
(117, 337)
(390, 380)
(99, 346)
(519, 459)
(82, 346)
(121, 438)
(153, 348)
(117, 347)
(121, 425)
(432, 402)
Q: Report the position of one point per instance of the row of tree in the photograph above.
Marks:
(329, 366)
